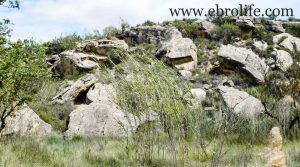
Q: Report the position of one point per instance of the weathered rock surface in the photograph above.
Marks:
(100, 119)
(186, 74)
(103, 117)
(101, 93)
(205, 26)
(178, 51)
(244, 59)
(260, 46)
(199, 94)
(90, 54)
(72, 61)
(75, 90)
(289, 42)
(244, 21)
(275, 26)
(283, 60)
(144, 34)
(241, 102)
(25, 122)
(101, 47)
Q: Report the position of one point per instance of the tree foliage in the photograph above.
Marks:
(22, 68)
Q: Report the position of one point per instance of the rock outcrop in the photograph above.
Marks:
(245, 22)
(241, 102)
(260, 46)
(87, 57)
(199, 94)
(76, 89)
(178, 51)
(186, 74)
(287, 41)
(245, 60)
(101, 93)
(283, 60)
(205, 26)
(144, 34)
(73, 61)
(101, 47)
(102, 117)
(25, 122)
(275, 26)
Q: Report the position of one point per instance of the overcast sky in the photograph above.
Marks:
(46, 19)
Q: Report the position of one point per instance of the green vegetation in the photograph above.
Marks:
(187, 27)
(62, 44)
(55, 151)
(186, 132)
(262, 34)
(294, 29)
(226, 33)
(22, 70)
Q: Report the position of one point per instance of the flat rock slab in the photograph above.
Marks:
(240, 102)
(72, 92)
(244, 59)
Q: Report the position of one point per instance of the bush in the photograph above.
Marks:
(149, 23)
(294, 29)
(62, 44)
(226, 33)
(109, 32)
(262, 34)
(188, 28)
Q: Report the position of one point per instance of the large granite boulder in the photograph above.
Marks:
(25, 122)
(144, 34)
(178, 51)
(102, 117)
(79, 87)
(244, 59)
(241, 102)
(275, 26)
(287, 41)
(283, 59)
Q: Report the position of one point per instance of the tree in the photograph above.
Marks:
(9, 3)
(22, 68)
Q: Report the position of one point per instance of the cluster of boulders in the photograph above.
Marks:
(87, 57)
(96, 112)
(178, 51)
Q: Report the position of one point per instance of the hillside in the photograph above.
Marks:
(190, 92)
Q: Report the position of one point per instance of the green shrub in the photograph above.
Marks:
(294, 29)
(62, 44)
(188, 28)
(109, 32)
(262, 34)
(55, 114)
(226, 33)
(212, 45)
(149, 23)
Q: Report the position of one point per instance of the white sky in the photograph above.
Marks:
(47, 19)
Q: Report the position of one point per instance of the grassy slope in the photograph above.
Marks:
(54, 151)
